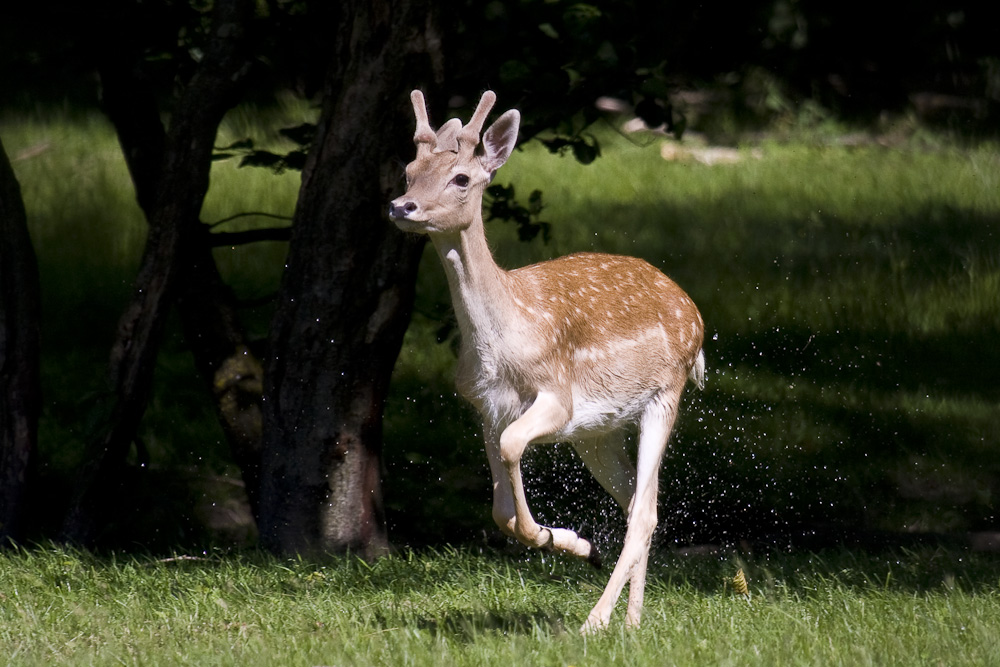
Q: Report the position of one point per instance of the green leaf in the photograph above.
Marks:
(301, 134)
(548, 30)
(585, 151)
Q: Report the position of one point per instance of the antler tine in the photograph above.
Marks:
(424, 135)
(470, 133)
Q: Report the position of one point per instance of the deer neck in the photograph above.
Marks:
(479, 288)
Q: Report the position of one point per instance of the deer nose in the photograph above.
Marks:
(401, 209)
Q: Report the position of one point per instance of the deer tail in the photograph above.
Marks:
(697, 372)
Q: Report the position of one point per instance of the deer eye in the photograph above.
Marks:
(461, 180)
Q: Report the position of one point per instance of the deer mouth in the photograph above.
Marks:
(414, 226)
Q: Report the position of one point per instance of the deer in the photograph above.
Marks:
(577, 349)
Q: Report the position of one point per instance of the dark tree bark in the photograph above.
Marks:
(223, 356)
(347, 293)
(19, 348)
(182, 181)
(208, 308)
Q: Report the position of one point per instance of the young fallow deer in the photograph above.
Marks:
(568, 350)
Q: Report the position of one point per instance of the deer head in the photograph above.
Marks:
(445, 182)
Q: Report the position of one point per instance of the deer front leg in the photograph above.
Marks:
(654, 431)
(631, 567)
(503, 496)
(546, 415)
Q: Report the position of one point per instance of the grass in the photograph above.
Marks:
(459, 607)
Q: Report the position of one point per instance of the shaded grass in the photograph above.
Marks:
(458, 607)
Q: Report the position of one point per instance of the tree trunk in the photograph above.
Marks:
(223, 357)
(346, 295)
(19, 349)
(207, 307)
(173, 226)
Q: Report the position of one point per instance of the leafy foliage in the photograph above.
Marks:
(584, 148)
(295, 159)
(501, 204)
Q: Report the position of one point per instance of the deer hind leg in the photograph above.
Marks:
(654, 430)
(546, 415)
(607, 460)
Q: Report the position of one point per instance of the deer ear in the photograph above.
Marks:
(499, 140)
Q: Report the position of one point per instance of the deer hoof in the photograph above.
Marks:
(593, 625)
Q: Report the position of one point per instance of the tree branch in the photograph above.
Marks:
(248, 214)
(223, 239)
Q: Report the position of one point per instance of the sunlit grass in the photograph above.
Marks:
(453, 607)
